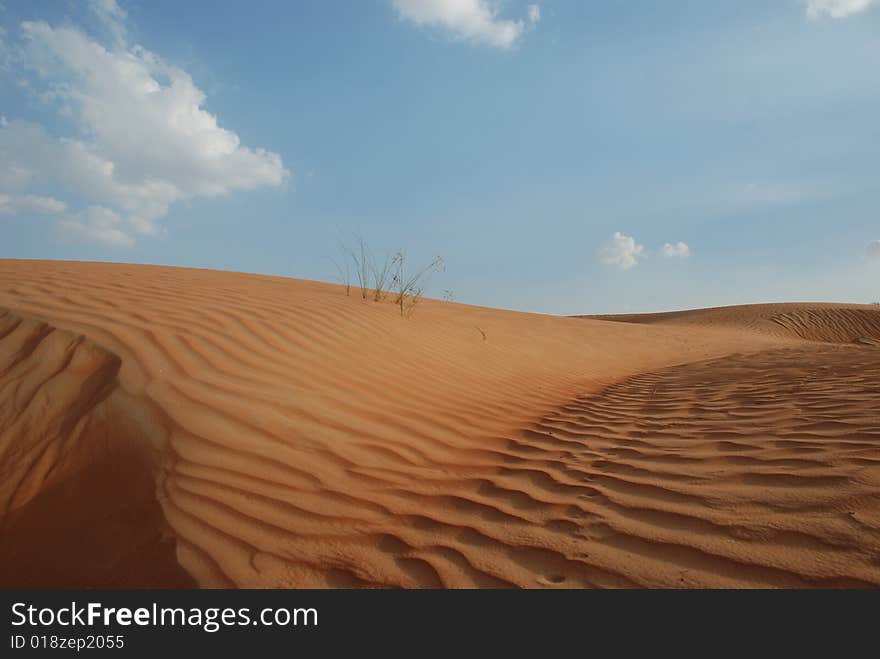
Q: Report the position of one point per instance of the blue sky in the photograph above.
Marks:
(563, 157)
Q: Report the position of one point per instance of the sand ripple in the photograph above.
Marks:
(235, 430)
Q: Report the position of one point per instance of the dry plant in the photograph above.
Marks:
(380, 272)
(344, 274)
(377, 278)
(368, 277)
(410, 286)
(361, 258)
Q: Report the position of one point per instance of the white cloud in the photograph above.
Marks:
(678, 249)
(624, 252)
(621, 252)
(144, 140)
(837, 8)
(98, 223)
(112, 17)
(534, 13)
(471, 20)
(12, 204)
(873, 251)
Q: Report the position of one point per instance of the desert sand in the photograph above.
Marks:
(171, 427)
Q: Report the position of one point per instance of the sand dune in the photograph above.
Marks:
(828, 323)
(78, 486)
(226, 429)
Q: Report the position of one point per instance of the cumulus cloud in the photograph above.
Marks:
(12, 204)
(471, 20)
(98, 223)
(624, 252)
(672, 250)
(143, 139)
(621, 252)
(112, 17)
(837, 8)
(873, 251)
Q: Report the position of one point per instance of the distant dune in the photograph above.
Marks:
(170, 427)
(828, 323)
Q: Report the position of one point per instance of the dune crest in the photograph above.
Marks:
(823, 323)
(271, 432)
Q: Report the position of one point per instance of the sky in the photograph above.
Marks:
(562, 156)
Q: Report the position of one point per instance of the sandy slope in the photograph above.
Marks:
(831, 323)
(230, 429)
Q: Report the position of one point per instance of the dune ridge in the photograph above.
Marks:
(819, 322)
(291, 436)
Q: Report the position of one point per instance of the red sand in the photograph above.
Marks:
(169, 427)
